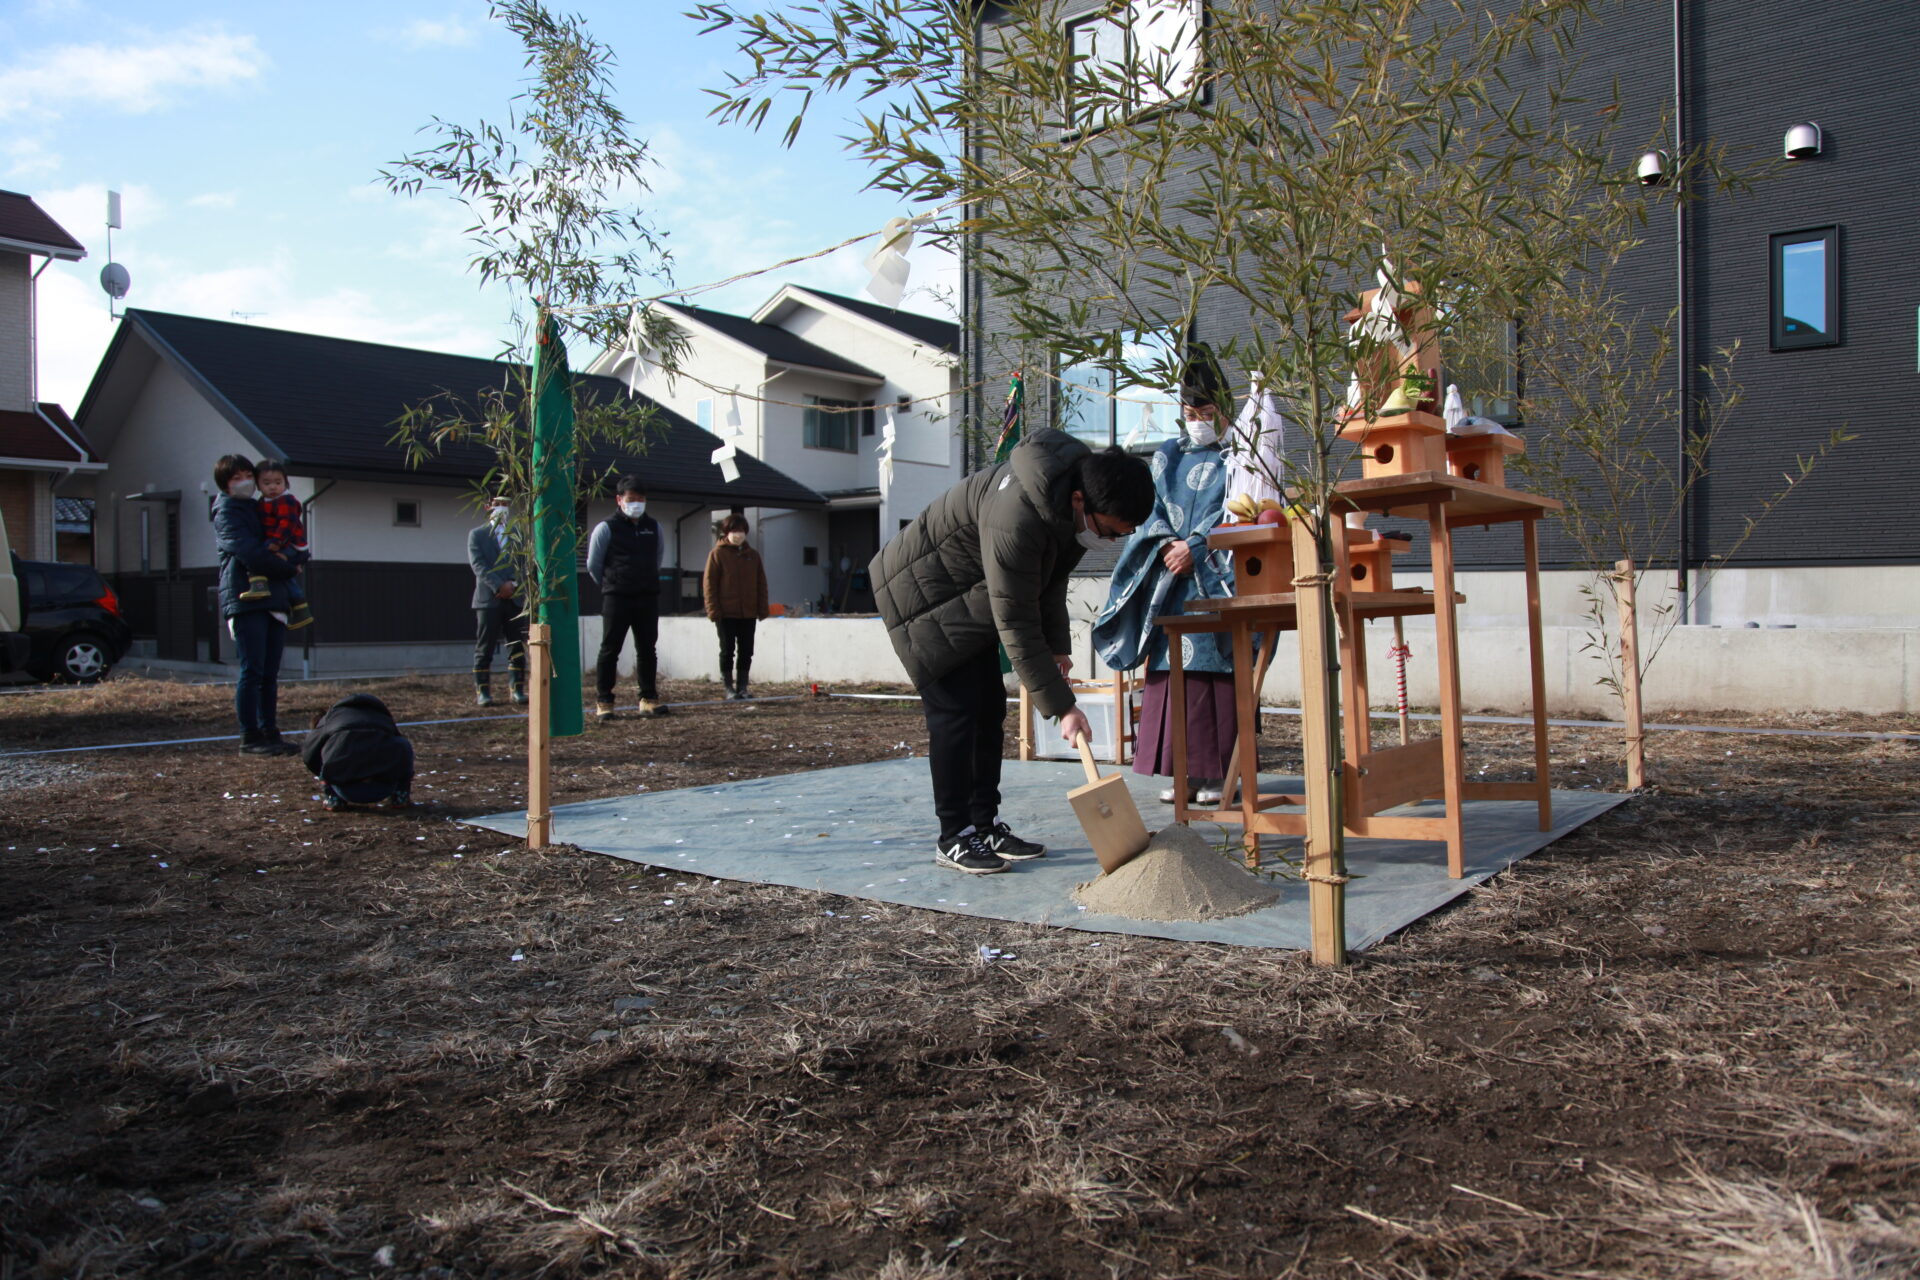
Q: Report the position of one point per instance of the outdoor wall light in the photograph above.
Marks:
(1652, 169)
(1803, 141)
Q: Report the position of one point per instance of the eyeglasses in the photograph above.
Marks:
(1107, 529)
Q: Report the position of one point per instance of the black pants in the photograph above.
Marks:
(966, 712)
(261, 640)
(736, 637)
(618, 616)
(497, 623)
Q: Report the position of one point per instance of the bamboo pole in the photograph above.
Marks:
(1325, 871)
(1624, 598)
(539, 759)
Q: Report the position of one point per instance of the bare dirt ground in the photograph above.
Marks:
(241, 1036)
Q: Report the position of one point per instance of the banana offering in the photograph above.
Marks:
(1247, 508)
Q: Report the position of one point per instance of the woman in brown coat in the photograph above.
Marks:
(736, 591)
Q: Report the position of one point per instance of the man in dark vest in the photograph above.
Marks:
(623, 558)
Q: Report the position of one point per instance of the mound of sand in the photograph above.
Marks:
(1179, 877)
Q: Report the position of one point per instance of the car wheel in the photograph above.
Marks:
(83, 659)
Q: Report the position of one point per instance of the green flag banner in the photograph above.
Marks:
(556, 539)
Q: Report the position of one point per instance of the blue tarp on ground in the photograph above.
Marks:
(864, 831)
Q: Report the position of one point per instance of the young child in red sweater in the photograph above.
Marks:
(280, 519)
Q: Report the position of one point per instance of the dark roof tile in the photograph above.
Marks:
(329, 404)
(28, 435)
(26, 222)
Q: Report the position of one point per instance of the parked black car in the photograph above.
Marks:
(73, 620)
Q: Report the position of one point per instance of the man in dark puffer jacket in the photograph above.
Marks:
(359, 754)
(987, 562)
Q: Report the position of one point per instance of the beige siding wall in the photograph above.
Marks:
(16, 331)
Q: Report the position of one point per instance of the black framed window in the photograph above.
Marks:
(406, 513)
(1805, 301)
(1132, 54)
(829, 424)
(1103, 407)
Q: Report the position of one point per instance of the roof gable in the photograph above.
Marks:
(328, 406)
(776, 343)
(943, 334)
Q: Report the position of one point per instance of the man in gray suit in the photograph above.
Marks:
(497, 614)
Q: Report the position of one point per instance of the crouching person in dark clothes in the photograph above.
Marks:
(359, 754)
(987, 563)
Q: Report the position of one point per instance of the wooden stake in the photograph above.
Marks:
(1623, 589)
(1326, 871)
(1542, 773)
(539, 760)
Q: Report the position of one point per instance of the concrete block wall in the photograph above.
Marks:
(1872, 671)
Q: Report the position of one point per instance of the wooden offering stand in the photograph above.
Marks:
(1374, 781)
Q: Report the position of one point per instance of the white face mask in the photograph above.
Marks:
(241, 488)
(1202, 432)
(737, 538)
(1090, 538)
(497, 516)
(633, 510)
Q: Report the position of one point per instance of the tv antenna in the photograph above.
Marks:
(114, 277)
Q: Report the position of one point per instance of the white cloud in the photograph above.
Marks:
(443, 33)
(214, 200)
(28, 158)
(130, 77)
(74, 330)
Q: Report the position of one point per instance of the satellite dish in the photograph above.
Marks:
(115, 280)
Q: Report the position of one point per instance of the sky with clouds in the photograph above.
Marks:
(246, 141)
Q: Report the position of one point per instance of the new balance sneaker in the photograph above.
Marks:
(1002, 843)
(969, 853)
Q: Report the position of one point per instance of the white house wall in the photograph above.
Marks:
(354, 520)
(170, 439)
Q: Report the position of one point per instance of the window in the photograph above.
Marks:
(703, 414)
(809, 555)
(406, 513)
(828, 424)
(1132, 54)
(866, 417)
(1806, 289)
(1103, 407)
(1482, 359)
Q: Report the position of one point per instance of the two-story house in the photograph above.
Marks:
(807, 385)
(40, 448)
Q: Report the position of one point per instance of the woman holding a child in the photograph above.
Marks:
(253, 599)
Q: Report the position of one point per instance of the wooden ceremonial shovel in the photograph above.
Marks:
(1107, 813)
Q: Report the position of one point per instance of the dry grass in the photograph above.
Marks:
(1679, 1043)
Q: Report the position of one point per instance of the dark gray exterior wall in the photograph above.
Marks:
(1754, 68)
